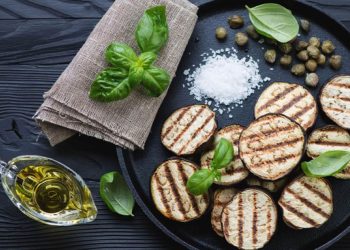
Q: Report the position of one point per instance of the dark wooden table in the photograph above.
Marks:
(38, 38)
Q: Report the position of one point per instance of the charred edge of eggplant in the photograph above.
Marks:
(320, 96)
(302, 154)
(288, 223)
(316, 114)
(155, 203)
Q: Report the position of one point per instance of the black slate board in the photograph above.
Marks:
(38, 38)
(138, 166)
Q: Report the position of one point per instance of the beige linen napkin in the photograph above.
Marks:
(67, 108)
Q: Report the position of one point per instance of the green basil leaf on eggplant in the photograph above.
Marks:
(274, 21)
(223, 154)
(155, 81)
(110, 85)
(120, 55)
(201, 181)
(116, 194)
(152, 30)
(327, 163)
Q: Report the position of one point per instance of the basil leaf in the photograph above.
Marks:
(120, 55)
(146, 59)
(327, 163)
(274, 21)
(155, 80)
(135, 74)
(200, 181)
(223, 154)
(110, 85)
(152, 30)
(116, 194)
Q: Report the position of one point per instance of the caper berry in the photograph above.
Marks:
(241, 38)
(311, 79)
(298, 69)
(305, 25)
(270, 56)
(314, 41)
(313, 52)
(286, 60)
(235, 21)
(321, 60)
(335, 61)
(252, 32)
(285, 48)
(311, 65)
(303, 55)
(301, 45)
(220, 33)
(327, 47)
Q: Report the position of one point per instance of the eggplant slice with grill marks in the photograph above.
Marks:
(170, 195)
(289, 99)
(188, 128)
(221, 198)
(272, 186)
(306, 202)
(328, 138)
(335, 100)
(272, 146)
(235, 171)
(250, 219)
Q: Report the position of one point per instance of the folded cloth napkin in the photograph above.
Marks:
(67, 108)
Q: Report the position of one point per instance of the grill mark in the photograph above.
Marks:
(277, 97)
(292, 102)
(268, 224)
(339, 110)
(230, 129)
(331, 128)
(184, 180)
(302, 111)
(255, 221)
(174, 122)
(226, 225)
(331, 143)
(299, 214)
(309, 204)
(162, 196)
(345, 99)
(233, 170)
(275, 145)
(269, 132)
(196, 133)
(278, 160)
(174, 190)
(177, 138)
(339, 84)
(315, 191)
(240, 221)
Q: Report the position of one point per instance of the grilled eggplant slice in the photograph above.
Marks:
(335, 100)
(331, 137)
(306, 202)
(221, 198)
(188, 128)
(272, 186)
(272, 146)
(170, 195)
(250, 219)
(235, 171)
(289, 99)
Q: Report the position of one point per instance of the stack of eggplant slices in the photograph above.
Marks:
(266, 152)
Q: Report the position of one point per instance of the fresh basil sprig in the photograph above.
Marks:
(151, 35)
(327, 163)
(274, 21)
(116, 194)
(202, 179)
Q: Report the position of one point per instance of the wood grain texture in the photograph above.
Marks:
(38, 38)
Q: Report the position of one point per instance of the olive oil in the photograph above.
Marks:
(48, 191)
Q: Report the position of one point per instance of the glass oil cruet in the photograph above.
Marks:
(47, 191)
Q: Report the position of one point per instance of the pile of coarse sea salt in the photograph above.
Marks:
(224, 80)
